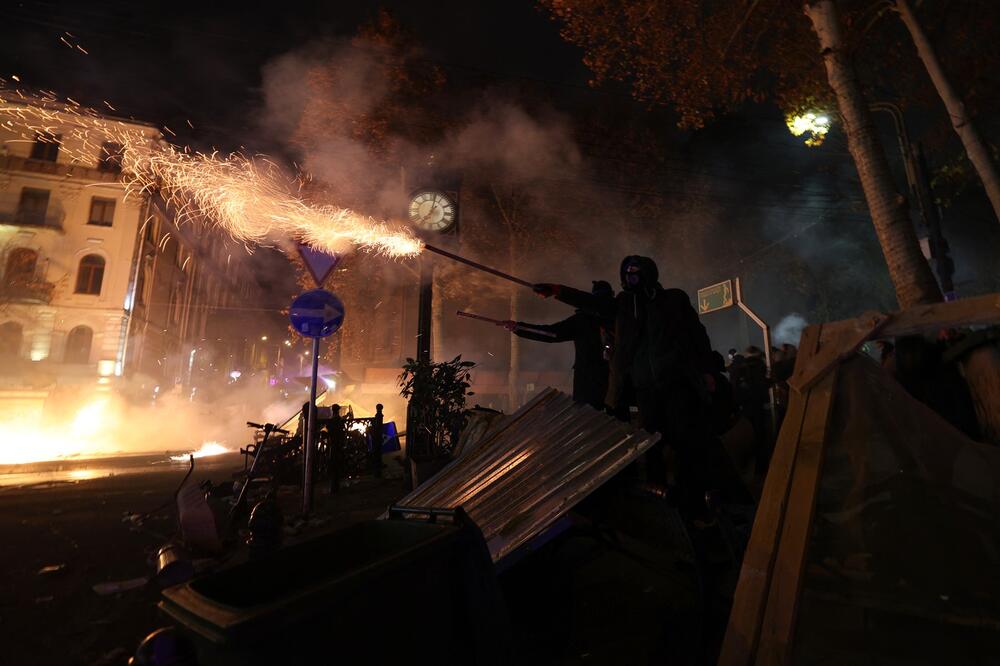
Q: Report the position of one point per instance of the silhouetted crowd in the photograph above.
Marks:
(644, 351)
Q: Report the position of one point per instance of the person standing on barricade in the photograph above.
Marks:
(661, 352)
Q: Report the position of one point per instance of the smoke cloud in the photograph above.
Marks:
(707, 207)
(789, 329)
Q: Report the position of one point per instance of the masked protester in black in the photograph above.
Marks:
(661, 351)
(589, 333)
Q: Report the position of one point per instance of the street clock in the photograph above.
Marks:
(432, 210)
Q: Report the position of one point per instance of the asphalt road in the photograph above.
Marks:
(588, 597)
(70, 515)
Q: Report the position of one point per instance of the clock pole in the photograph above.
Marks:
(425, 306)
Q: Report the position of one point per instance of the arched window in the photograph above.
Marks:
(90, 275)
(11, 335)
(78, 345)
(20, 265)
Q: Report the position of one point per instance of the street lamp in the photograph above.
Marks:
(818, 124)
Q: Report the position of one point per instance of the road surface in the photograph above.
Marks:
(71, 513)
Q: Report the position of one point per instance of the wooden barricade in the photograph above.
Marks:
(761, 626)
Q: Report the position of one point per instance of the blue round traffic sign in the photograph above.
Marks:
(316, 313)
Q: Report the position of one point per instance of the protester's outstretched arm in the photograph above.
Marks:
(582, 300)
(561, 331)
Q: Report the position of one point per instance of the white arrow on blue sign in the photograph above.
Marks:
(316, 313)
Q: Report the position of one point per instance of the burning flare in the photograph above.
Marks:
(251, 198)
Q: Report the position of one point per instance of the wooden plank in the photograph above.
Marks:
(836, 349)
(746, 615)
(777, 632)
(922, 319)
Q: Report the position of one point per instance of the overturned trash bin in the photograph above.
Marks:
(416, 588)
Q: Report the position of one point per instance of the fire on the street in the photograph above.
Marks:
(26, 439)
(250, 198)
(100, 428)
(207, 449)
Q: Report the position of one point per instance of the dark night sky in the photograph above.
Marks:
(168, 62)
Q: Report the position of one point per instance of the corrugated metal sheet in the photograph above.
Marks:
(528, 472)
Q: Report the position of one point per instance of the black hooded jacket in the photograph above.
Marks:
(590, 369)
(659, 342)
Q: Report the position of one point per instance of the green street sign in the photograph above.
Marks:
(716, 297)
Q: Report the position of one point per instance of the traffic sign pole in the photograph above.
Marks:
(314, 314)
(766, 331)
(726, 294)
(309, 446)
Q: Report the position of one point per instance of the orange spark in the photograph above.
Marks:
(251, 198)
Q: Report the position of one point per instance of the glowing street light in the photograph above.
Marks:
(815, 124)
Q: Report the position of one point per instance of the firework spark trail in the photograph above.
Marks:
(250, 198)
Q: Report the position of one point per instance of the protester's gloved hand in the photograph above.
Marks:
(547, 290)
(509, 325)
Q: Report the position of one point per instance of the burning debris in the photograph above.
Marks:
(207, 449)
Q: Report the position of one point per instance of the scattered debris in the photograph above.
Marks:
(197, 521)
(44, 600)
(173, 565)
(115, 586)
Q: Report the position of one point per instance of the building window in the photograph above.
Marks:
(175, 303)
(11, 336)
(102, 212)
(21, 264)
(90, 275)
(78, 345)
(32, 207)
(110, 158)
(46, 147)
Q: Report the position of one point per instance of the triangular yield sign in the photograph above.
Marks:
(319, 264)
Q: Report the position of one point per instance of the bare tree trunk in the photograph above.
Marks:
(978, 154)
(910, 273)
(514, 373)
(508, 214)
(437, 309)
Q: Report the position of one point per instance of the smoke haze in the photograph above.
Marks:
(576, 209)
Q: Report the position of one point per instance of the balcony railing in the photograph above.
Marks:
(32, 290)
(16, 163)
(11, 212)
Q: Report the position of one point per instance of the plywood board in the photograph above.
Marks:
(746, 616)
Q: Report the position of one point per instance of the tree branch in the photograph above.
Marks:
(739, 27)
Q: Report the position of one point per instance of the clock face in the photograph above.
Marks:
(432, 211)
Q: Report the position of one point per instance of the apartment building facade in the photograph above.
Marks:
(98, 287)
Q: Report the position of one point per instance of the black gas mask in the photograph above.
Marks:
(633, 277)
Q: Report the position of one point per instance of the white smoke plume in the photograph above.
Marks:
(789, 329)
